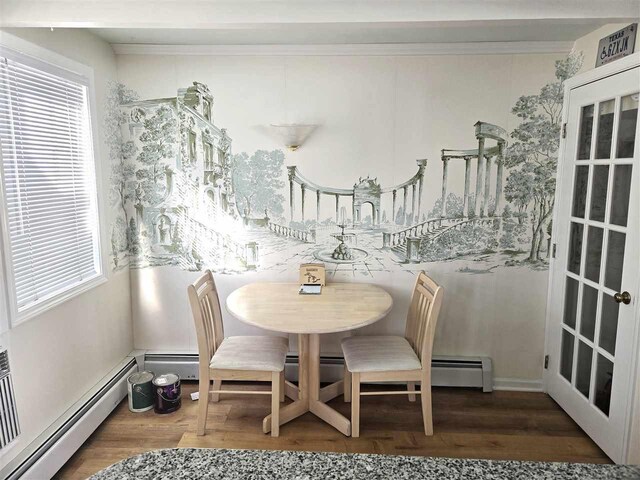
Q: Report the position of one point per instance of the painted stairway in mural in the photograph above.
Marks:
(407, 242)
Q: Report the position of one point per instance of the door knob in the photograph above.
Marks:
(623, 297)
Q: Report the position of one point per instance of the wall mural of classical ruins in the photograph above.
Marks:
(183, 198)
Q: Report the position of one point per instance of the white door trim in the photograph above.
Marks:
(633, 405)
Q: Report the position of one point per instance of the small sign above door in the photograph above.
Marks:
(617, 45)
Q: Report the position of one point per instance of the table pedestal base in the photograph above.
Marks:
(309, 397)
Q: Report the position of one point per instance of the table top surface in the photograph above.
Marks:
(339, 308)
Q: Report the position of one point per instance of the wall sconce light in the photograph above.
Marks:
(293, 135)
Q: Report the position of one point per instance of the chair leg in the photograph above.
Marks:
(347, 384)
(411, 386)
(355, 404)
(203, 402)
(282, 386)
(217, 385)
(425, 394)
(275, 404)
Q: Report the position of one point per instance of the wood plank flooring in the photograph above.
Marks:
(467, 423)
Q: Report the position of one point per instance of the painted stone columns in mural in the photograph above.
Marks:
(365, 191)
(484, 157)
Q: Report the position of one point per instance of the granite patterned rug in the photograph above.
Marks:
(197, 463)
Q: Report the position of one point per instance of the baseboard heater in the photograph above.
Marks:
(446, 371)
(43, 457)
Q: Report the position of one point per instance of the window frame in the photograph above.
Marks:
(27, 53)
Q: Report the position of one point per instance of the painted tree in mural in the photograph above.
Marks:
(257, 181)
(519, 191)
(454, 206)
(120, 155)
(159, 129)
(533, 155)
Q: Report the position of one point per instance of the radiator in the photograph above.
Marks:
(446, 371)
(49, 451)
(9, 425)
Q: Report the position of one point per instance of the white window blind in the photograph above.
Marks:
(49, 180)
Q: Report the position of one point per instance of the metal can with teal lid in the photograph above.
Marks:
(168, 393)
(141, 391)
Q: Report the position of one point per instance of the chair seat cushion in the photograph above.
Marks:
(259, 353)
(379, 354)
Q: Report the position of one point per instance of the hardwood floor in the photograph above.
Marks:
(467, 423)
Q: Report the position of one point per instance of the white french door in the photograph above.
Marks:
(593, 306)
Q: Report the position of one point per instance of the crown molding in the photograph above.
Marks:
(390, 49)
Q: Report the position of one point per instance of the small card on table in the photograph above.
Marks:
(310, 289)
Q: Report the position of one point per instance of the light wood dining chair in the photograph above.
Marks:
(395, 358)
(248, 358)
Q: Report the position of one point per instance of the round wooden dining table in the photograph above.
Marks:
(340, 307)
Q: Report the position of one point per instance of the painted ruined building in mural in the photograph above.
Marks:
(183, 198)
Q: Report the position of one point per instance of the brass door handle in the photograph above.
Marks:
(624, 297)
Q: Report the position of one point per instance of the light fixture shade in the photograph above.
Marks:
(293, 135)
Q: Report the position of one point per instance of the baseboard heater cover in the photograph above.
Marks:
(43, 457)
(446, 371)
(51, 450)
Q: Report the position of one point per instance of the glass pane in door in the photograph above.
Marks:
(571, 302)
(593, 254)
(627, 126)
(609, 323)
(620, 194)
(583, 369)
(566, 355)
(615, 260)
(604, 382)
(580, 191)
(586, 131)
(589, 310)
(575, 247)
(599, 184)
(605, 129)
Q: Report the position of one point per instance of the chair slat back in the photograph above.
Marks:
(205, 306)
(423, 316)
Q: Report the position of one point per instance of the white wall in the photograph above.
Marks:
(376, 115)
(57, 356)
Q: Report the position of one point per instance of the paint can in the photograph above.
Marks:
(168, 393)
(141, 391)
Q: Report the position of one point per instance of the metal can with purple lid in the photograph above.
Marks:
(168, 393)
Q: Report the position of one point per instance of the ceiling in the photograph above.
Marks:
(322, 22)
